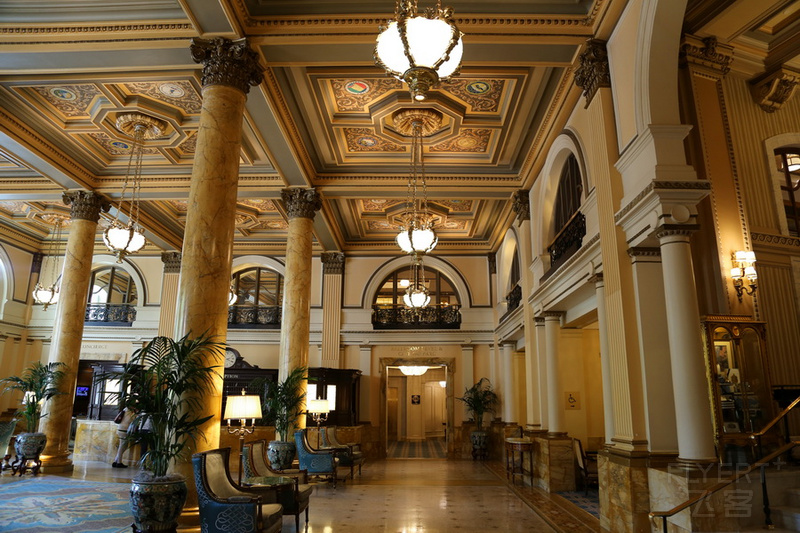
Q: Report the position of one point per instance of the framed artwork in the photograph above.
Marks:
(723, 355)
(415, 399)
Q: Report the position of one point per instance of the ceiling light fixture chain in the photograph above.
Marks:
(47, 296)
(126, 239)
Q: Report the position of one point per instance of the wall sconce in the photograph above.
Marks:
(743, 273)
(242, 407)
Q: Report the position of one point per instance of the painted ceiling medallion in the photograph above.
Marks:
(478, 87)
(357, 87)
(172, 90)
(428, 120)
(62, 93)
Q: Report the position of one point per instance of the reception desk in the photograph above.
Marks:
(96, 440)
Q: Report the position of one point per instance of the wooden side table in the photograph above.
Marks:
(521, 446)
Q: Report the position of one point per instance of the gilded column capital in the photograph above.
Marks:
(172, 262)
(676, 230)
(521, 205)
(227, 62)
(593, 72)
(492, 259)
(332, 262)
(706, 53)
(301, 203)
(774, 88)
(85, 205)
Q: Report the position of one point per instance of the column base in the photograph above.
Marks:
(554, 463)
(189, 520)
(624, 492)
(49, 466)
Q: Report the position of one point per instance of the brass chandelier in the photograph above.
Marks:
(420, 49)
(125, 239)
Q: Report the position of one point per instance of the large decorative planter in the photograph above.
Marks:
(156, 505)
(480, 445)
(28, 447)
(281, 454)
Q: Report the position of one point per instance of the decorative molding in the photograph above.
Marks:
(85, 205)
(521, 205)
(103, 30)
(698, 185)
(227, 62)
(300, 202)
(644, 251)
(593, 72)
(706, 53)
(781, 240)
(172, 262)
(538, 321)
(553, 314)
(671, 230)
(332, 262)
(773, 89)
(597, 279)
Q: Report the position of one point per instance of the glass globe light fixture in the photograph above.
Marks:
(416, 297)
(420, 49)
(47, 295)
(120, 238)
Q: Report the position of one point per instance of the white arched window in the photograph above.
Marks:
(258, 299)
(112, 297)
(389, 311)
(569, 224)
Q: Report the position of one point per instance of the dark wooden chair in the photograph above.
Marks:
(587, 467)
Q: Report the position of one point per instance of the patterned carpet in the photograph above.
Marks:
(57, 505)
(429, 449)
(589, 503)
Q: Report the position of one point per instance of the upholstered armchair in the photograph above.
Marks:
(6, 431)
(349, 454)
(295, 501)
(227, 508)
(315, 462)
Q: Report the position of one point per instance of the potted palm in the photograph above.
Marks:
(162, 385)
(478, 400)
(283, 404)
(38, 384)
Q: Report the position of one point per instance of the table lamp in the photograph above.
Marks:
(242, 407)
(318, 409)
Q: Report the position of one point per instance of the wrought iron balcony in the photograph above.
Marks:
(110, 314)
(568, 241)
(513, 298)
(254, 317)
(402, 317)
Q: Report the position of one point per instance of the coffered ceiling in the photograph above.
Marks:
(321, 118)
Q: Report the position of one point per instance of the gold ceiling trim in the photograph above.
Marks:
(154, 30)
(22, 240)
(81, 175)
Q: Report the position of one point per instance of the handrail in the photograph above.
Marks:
(664, 515)
(776, 420)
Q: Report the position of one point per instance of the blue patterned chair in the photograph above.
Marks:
(315, 462)
(348, 454)
(228, 508)
(294, 502)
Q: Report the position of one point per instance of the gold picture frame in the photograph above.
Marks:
(724, 357)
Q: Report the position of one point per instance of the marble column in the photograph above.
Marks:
(333, 273)
(510, 409)
(301, 206)
(605, 360)
(690, 386)
(85, 208)
(229, 69)
(555, 411)
(541, 359)
(169, 292)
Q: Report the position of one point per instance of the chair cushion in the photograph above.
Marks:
(304, 492)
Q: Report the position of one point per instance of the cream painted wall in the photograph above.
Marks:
(579, 365)
(22, 261)
(622, 64)
(357, 271)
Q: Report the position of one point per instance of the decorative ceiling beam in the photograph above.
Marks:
(774, 88)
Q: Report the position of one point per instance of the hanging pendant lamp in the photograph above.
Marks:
(43, 294)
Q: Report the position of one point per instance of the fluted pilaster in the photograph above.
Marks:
(333, 272)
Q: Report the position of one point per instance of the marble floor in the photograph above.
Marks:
(419, 496)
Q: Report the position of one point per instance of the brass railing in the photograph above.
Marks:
(760, 464)
(401, 317)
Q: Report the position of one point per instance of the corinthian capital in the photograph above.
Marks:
(226, 62)
(593, 72)
(303, 203)
(85, 205)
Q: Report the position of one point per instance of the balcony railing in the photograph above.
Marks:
(568, 241)
(402, 317)
(254, 317)
(110, 314)
(513, 299)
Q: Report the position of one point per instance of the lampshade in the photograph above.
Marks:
(413, 370)
(443, 384)
(123, 240)
(318, 406)
(243, 406)
(416, 297)
(45, 295)
(420, 50)
(415, 239)
(736, 273)
(745, 256)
